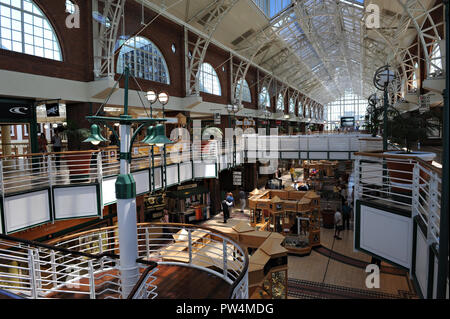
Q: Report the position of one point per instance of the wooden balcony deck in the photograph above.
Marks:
(173, 282)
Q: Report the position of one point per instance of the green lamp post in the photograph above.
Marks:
(125, 187)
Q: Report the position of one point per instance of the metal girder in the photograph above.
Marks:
(427, 29)
(217, 11)
(105, 36)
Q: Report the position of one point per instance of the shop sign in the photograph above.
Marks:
(15, 111)
(216, 118)
(424, 103)
(52, 109)
(237, 178)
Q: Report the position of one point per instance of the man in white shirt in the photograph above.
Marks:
(337, 224)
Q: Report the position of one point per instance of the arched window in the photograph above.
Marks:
(300, 109)
(25, 29)
(307, 113)
(144, 60)
(246, 95)
(436, 60)
(208, 80)
(291, 106)
(263, 98)
(280, 103)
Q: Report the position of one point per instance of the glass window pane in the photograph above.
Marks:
(22, 20)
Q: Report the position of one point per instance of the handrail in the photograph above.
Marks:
(234, 281)
(60, 249)
(419, 160)
(141, 280)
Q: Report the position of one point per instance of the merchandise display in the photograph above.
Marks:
(295, 214)
(188, 205)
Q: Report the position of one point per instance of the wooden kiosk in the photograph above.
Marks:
(267, 272)
(294, 214)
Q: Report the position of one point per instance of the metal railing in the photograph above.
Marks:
(36, 171)
(175, 244)
(40, 271)
(406, 183)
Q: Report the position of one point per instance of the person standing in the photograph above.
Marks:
(42, 148)
(42, 143)
(242, 196)
(226, 210)
(337, 224)
(57, 145)
(346, 215)
(292, 171)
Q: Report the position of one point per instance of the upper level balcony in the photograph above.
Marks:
(175, 261)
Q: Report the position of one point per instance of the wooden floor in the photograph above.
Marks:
(173, 282)
(176, 282)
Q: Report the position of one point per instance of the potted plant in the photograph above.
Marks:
(408, 129)
(78, 163)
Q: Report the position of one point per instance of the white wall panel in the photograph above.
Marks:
(142, 181)
(158, 177)
(303, 140)
(387, 235)
(202, 170)
(185, 172)
(318, 155)
(172, 174)
(109, 190)
(289, 143)
(421, 261)
(318, 143)
(26, 210)
(289, 155)
(339, 143)
(75, 202)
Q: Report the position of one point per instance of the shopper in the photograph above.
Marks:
(226, 210)
(337, 224)
(57, 145)
(346, 215)
(42, 148)
(292, 171)
(343, 193)
(43, 143)
(242, 196)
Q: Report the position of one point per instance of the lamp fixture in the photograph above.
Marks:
(151, 96)
(95, 137)
(163, 98)
(156, 136)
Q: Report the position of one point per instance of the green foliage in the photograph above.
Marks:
(407, 129)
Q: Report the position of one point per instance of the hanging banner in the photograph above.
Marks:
(52, 109)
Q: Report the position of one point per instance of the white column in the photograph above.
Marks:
(126, 216)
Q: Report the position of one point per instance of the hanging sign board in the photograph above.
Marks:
(424, 103)
(15, 111)
(52, 109)
(237, 178)
(216, 118)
